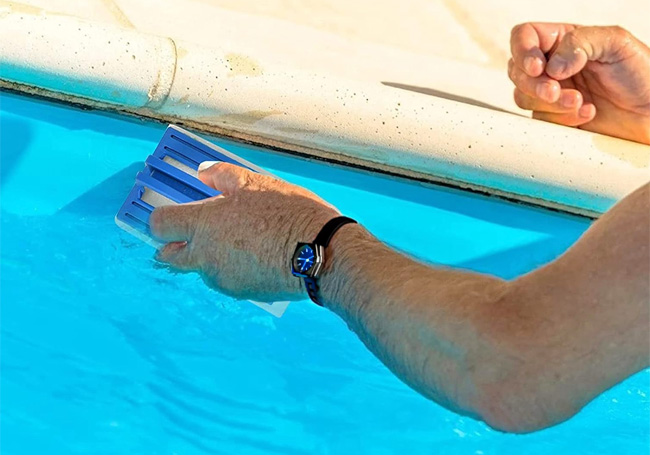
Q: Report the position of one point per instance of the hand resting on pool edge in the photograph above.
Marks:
(521, 355)
(594, 78)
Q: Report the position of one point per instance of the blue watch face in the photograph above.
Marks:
(305, 259)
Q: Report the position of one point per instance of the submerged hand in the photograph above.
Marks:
(242, 243)
(595, 78)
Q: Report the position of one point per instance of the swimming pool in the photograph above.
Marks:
(103, 352)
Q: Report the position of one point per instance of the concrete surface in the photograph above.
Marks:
(420, 43)
(410, 100)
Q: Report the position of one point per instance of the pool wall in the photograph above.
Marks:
(377, 126)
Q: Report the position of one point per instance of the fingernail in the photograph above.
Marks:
(169, 249)
(204, 166)
(568, 100)
(585, 111)
(556, 65)
(546, 91)
(530, 63)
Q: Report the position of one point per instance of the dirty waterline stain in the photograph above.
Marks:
(296, 130)
(638, 155)
(241, 65)
(246, 118)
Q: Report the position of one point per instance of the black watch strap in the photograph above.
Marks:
(312, 289)
(325, 235)
(323, 239)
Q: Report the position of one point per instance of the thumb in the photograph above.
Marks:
(178, 255)
(584, 44)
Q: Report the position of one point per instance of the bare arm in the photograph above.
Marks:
(521, 355)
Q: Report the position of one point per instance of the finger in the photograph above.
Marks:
(178, 255)
(570, 100)
(525, 49)
(172, 223)
(576, 118)
(584, 44)
(530, 41)
(225, 177)
(543, 87)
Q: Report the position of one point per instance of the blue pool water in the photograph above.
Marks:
(102, 352)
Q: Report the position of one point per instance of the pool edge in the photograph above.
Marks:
(375, 127)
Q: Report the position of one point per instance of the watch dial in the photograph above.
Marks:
(305, 259)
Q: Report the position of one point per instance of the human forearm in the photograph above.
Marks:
(520, 355)
(421, 321)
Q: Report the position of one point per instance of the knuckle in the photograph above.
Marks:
(244, 180)
(227, 169)
(573, 39)
(618, 32)
(521, 100)
(571, 36)
(517, 28)
(233, 175)
(514, 75)
(226, 166)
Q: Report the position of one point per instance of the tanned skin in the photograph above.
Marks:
(521, 355)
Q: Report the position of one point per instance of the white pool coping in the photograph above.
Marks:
(376, 126)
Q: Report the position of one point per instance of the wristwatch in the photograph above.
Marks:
(308, 258)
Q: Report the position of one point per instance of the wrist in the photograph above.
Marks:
(343, 257)
(305, 225)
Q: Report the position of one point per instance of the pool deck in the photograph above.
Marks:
(419, 91)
